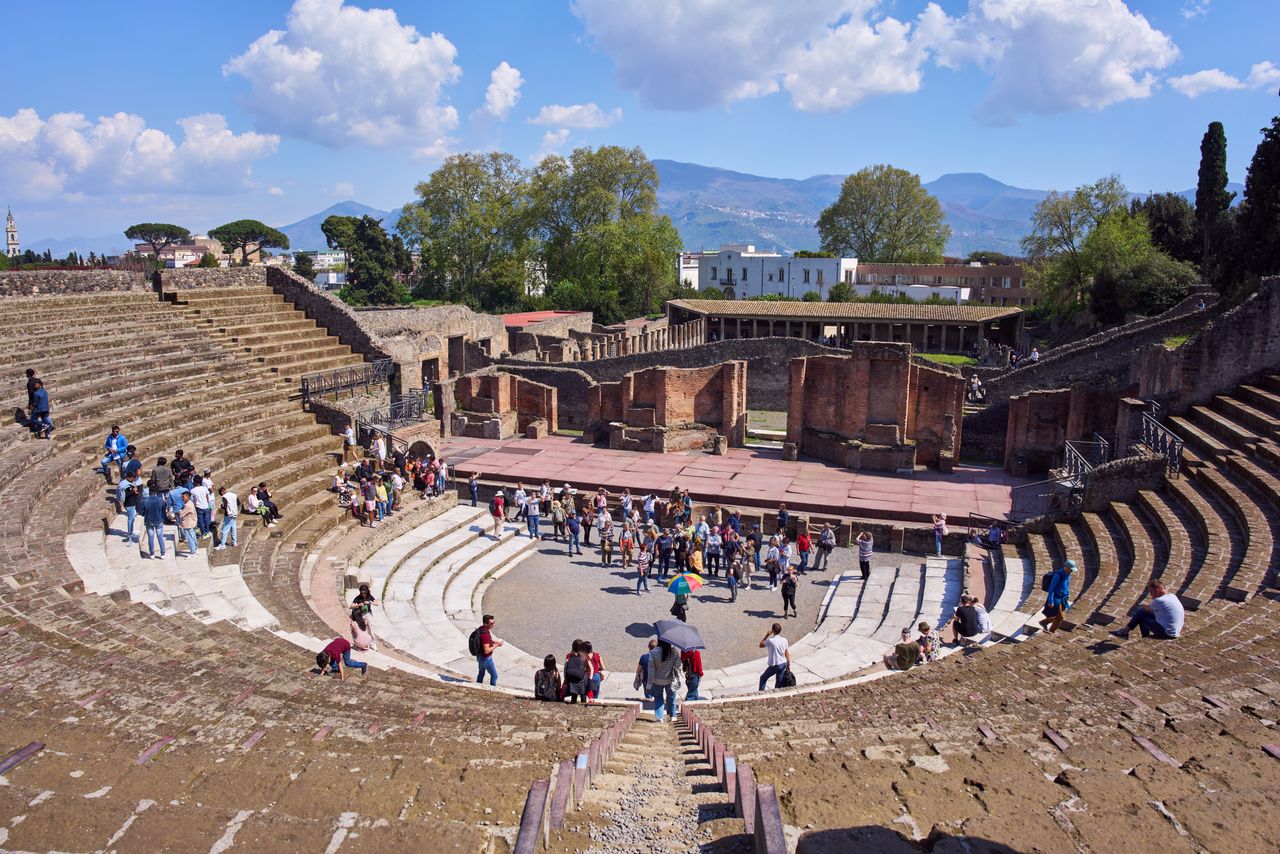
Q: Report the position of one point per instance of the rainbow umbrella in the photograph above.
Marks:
(685, 583)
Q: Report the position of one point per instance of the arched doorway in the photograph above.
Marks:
(729, 293)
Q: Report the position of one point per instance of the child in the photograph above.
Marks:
(626, 541)
(732, 579)
(606, 546)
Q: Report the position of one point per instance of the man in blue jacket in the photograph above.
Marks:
(153, 518)
(1059, 600)
(40, 423)
(117, 447)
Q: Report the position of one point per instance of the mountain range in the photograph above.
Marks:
(712, 206)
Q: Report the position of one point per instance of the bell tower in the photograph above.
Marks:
(11, 236)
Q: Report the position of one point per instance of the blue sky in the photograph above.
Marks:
(123, 112)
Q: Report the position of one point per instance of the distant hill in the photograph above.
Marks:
(712, 206)
(305, 234)
(106, 244)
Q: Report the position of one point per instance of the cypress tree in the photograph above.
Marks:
(1212, 198)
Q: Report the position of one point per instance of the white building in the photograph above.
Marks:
(687, 269)
(740, 272)
(12, 249)
(330, 281)
(328, 260)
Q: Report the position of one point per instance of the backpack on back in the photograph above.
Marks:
(544, 686)
(493, 506)
(473, 643)
(1046, 581)
(575, 670)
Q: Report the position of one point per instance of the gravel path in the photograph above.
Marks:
(548, 600)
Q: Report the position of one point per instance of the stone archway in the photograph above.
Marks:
(421, 450)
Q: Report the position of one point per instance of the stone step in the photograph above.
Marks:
(1253, 420)
(382, 564)
(1259, 398)
(1198, 438)
(1223, 427)
(904, 604)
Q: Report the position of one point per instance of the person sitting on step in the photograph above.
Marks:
(1162, 619)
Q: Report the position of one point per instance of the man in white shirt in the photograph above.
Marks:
(349, 453)
(779, 660)
(230, 510)
(1162, 619)
(202, 497)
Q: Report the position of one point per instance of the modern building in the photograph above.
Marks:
(740, 272)
(990, 284)
(330, 280)
(12, 248)
(930, 328)
(687, 269)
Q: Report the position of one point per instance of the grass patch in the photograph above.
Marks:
(1173, 342)
(427, 303)
(563, 431)
(950, 359)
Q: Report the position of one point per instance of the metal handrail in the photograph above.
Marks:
(333, 382)
(1036, 499)
(1163, 441)
(413, 408)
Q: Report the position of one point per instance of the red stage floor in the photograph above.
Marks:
(748, 476)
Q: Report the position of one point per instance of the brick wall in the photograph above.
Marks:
(1237, 345)
(1121, 480)
(1041, 422)
(573, 391)
(28, 283)
(934, 415)
(202, 278)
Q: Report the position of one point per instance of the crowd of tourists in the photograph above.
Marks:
(373, 488)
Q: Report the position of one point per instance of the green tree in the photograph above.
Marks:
(1059, 227)
(304, 265)
(1259, 216)
(245, 233)
(339, 231)
(374, 275)
(811, 296)
(1212, 198)
(883, 214)
(840, 292)
(1150, 285)
(208, 260)
(157, 235)
(1172, 221)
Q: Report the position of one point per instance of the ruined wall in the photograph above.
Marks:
(1041, 422)
(202, 278)
(1239, 344)
(934, 415)
(30, 283)
(660, 405)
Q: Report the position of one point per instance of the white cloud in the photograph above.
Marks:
(276, 191)
(583, 116)
(1193, 9)
(1044, 56)
(503, 91)
(553, 142)
(1209, 80)
(339, 75)
(68, 155)
(343, 190)
(1262, 75)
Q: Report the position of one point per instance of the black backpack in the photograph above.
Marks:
(493, 506)
(473, 643)
(1046, 581)
(544, 686)
(575, 670)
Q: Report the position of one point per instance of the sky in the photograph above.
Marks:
(142, 111)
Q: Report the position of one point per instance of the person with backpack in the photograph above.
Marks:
(641, 681)
(826, 545)
(1058, 585)
(496, 513)
(546, 682)
(361, 636)
(680, 608)
(606, 545)
(731, 578)
(691, 665)
(481, 644)
(577, 674)
(789, 593)
(664, 680)
(778, 661)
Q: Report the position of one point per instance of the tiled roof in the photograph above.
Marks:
(900, 312)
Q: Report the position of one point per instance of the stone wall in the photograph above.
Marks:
(874, 408)
(1041, 422)
(573, 390)
(414, 335)
(1237, 345)
(1121, 480)
(496, 405)
(672, 409)
(326, 309)
(30, 283)
(207, 278)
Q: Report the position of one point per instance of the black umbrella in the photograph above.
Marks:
(682, 636)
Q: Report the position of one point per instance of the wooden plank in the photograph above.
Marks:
(535, 808)
(769, 837)
(560, 798)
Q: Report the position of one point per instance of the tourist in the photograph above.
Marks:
(664, 680)
(735, 522)
(731, 578)
(755, 542)
(574, 528)
(691, 666)
(995, 536)
(1058, 585)
(264, 498)
(772, 563)
(349, 444)
(680, 607)
(361, 637)
(473, 485)
(380, 496)
(680, 551)
(930, 643)
(39, 421)
(521, 502)
(364, 600)
(396, 488)
(132, 467)
(626, 544)
(187, 525)
(784, 554)
(939, 531)
(789, 593)
(695, 557)
(368, 501)
(686, 507)
(182, 467)
(905, 655)
(1035, 355)
(230, 504)
(497, 513)
(779, 656)
(116, 446)
(984, 619)
(202, 498)
(730, 546)
(597, 671)
(557, 519)
(866, 545)
(784, 519)
(32, 384)
(577, 674)
(625, 502)
(650, 502)
(379, 450)
(255, 506)
(1162, 619)
(606, 545)
(336, 658)
(532, 514)
(482, 644)
(826, 544)
(131, 502)
(643, 560)
(666, 545)
(965, 624)
(546, 682)
(715, 545)
(803, 546)
(588, 523)
(641, 682)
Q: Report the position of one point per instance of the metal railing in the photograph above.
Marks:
(335, 382)
(413, 408)
(1045, 496)
(1163, 441)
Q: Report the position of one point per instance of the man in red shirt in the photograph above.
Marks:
(803, 545)
(691, 661)
(336, 658)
